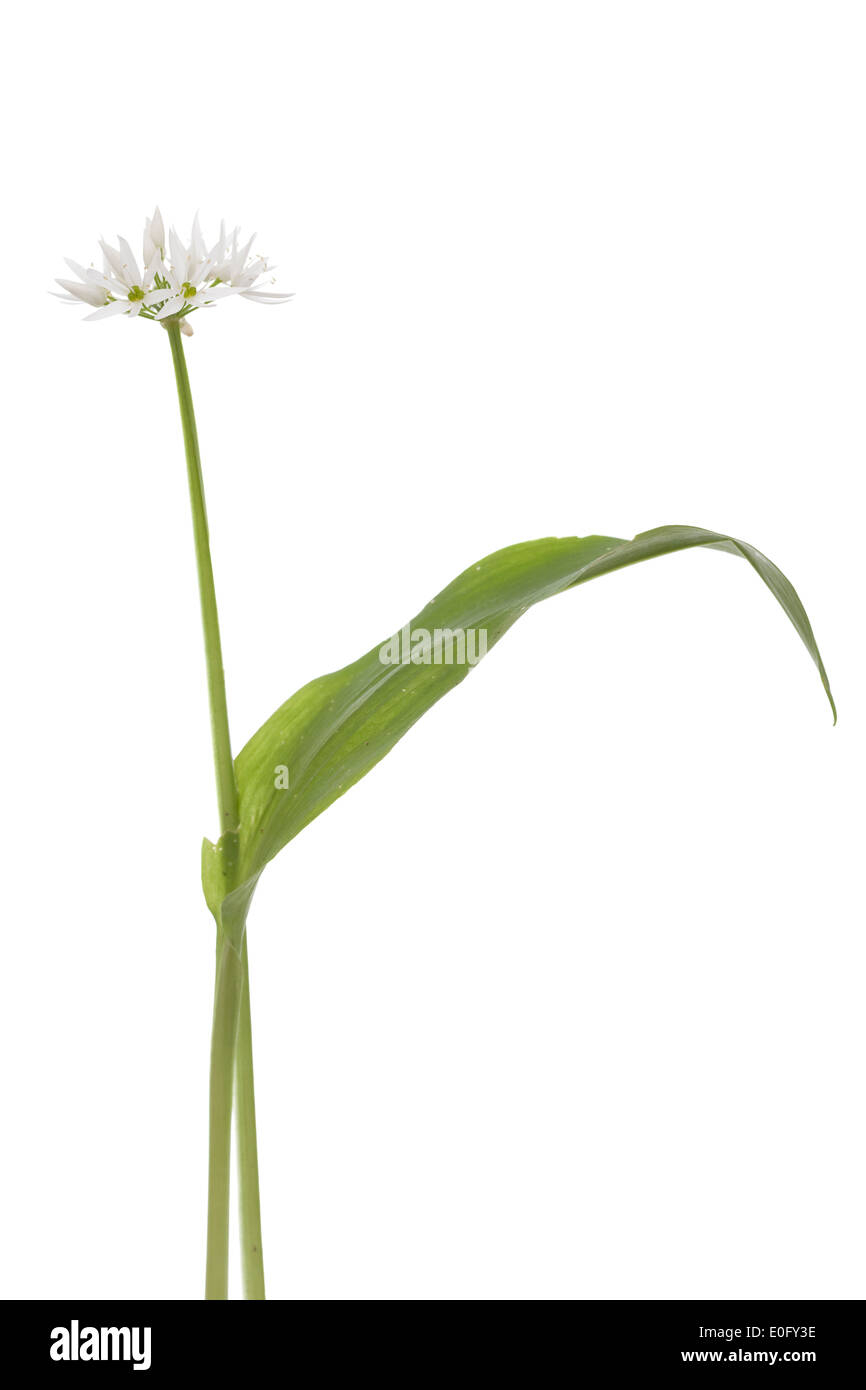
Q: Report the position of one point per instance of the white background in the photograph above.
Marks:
(565, 999)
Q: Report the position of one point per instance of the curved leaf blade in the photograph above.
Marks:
(331, 732)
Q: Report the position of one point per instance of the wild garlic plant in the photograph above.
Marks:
(333, 730)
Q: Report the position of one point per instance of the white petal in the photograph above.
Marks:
(76, 269)
(114, 261)
(263, 297)
(218, 291)
(149, 244)
(129, 261)
(178, 254)
(151, 267)
(171, 307)
(88, 294)
(239, 258)
(157, 229)
(168, 272)
(196, 241)
(218, 250)
(90, 274)
(117, 306)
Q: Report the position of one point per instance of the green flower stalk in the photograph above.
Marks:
(231, 987)
(334, 730)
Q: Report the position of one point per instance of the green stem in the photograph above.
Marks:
(227, 792)
(231, 1040)
(228, 987)
(248, 1163)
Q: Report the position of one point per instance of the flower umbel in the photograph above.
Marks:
(174, 285)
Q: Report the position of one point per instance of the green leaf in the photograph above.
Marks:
(334, 730)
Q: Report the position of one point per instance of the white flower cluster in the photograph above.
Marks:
(188, 278)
